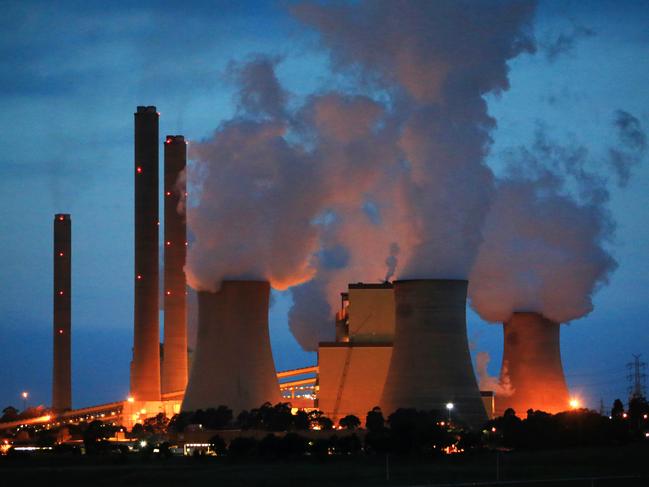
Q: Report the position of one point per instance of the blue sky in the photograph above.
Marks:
(73, 73)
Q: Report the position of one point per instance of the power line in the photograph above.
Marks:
(636, 377)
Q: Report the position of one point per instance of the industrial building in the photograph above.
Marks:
(353, 369)
(401, 345)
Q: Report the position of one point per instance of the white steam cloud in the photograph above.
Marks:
(548, 233)
(390, 171)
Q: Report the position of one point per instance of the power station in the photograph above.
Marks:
(398, 345)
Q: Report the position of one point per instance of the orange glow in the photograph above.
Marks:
(575, 403)
(130, 399)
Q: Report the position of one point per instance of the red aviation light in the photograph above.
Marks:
(168, 141)
(186, 244)
(168, 193)
(168, 243)
(60, 293)
(60, 331)
(60, 254)
(168, 293)
(139, 169)
(138, 277)
(61, 218)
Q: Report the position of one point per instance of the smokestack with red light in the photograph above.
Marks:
(62, 373)
(174, 364)
(431, 365)
(145, 369)
(233, 363)
(532, 366)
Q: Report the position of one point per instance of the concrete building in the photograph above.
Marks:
(431, 365)
(233, 363)
(62, 311)
(353, 369)
(145, 367)
(174, 365)
(532, 366)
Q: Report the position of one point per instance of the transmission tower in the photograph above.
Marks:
(636, 377)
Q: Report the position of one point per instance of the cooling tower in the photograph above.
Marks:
(145, 368)
(233, 364)
(431, 364)
(174, 364)
(532, 365)
(61, 371)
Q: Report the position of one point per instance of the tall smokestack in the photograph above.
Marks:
(233, 364)
(61, 372)
(145, 370)
(532, 365)
(174, 365)
(431, 364)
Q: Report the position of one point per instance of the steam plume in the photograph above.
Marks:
(501, 387)
(548, 232)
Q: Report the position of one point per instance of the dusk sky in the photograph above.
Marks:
(73, 73)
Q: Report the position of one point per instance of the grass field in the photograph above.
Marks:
(514, 468)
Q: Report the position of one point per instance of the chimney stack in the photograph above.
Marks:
(145, 368)
(174, 364)
(61, 372)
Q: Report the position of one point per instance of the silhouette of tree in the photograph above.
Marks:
(319, 420)
(416, 432)
(218, 445)
(241, 447)
(94, 435)
(156, 425)
(618, 409)
(138, 431)
(294, 445)
(9, 413)
(374, 420)
(350, 422)
(301, 420)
